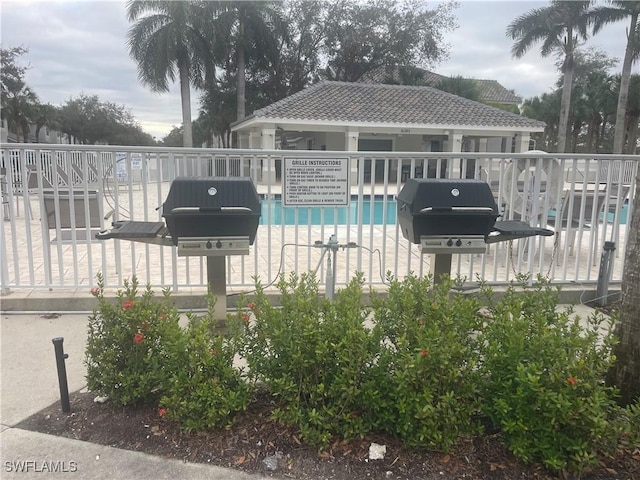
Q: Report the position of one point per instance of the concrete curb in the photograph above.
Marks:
(80, 300)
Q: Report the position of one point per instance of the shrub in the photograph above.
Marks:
(205, 389)
(426, 378)
(138, 352)
(130, 340)
(313, 356)
(544, 378)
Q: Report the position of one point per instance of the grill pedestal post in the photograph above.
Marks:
(217, 280)
(440, 265)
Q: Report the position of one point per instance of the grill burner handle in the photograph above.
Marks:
(428, 210)
(192, 210)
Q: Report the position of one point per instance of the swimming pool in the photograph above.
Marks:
(274, 213)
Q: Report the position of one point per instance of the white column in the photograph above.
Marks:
(351, 145)
(522, 142)
(268, 139)
(454, 144)
(351, 140)
(268, 142)
(253, 140)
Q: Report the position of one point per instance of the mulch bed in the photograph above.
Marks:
(254, 437)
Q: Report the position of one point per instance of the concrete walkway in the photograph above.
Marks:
(29, 383)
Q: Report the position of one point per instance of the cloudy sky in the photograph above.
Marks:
(80, 47)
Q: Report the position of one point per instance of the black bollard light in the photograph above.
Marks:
(62, 373)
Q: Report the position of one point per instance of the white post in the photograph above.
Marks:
(454, 144)
(254, 140)
(268, 142)
(522, 142)
(351, 145)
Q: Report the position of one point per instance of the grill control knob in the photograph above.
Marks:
(218, 244)
(459, 243)
(450, 243)
(209, 245)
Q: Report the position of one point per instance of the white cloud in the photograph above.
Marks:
(481, 49)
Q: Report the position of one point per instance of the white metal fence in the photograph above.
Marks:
(55, 197)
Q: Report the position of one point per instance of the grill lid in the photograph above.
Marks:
(212, 207)
(440, 195)
(212, 195)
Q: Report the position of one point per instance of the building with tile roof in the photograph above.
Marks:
(342, 116)
(490, 91)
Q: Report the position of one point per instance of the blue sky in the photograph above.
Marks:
(80, 47)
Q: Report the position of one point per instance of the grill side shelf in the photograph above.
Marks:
(146, 232)
(514, 229)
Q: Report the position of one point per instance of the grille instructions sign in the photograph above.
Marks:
(316, 181)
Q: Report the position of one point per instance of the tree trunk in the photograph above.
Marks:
(185, 95)
(625, 374)
(632, 134)
(241, 73)
(621, 112)
(565, 100)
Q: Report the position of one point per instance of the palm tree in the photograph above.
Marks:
(169, 38)
(18, 108)
(253, 28)
(559, 27)
(45, 115)
(17, 99)
(602, 16)
(633, 114)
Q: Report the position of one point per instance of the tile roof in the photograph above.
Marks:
(490, 90)
(389, 104)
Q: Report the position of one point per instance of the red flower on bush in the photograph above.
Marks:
(571, 380)
(162, 411)
(214, 351)
(138, 338)
(424, 352)
(127, 304)
(245, 317)
(95, 291)
(251, 305)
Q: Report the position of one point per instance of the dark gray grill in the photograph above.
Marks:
(455, 216)
(428, 207)
(204, 216)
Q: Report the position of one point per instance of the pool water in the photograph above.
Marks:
(624, 211)
(274, 212)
